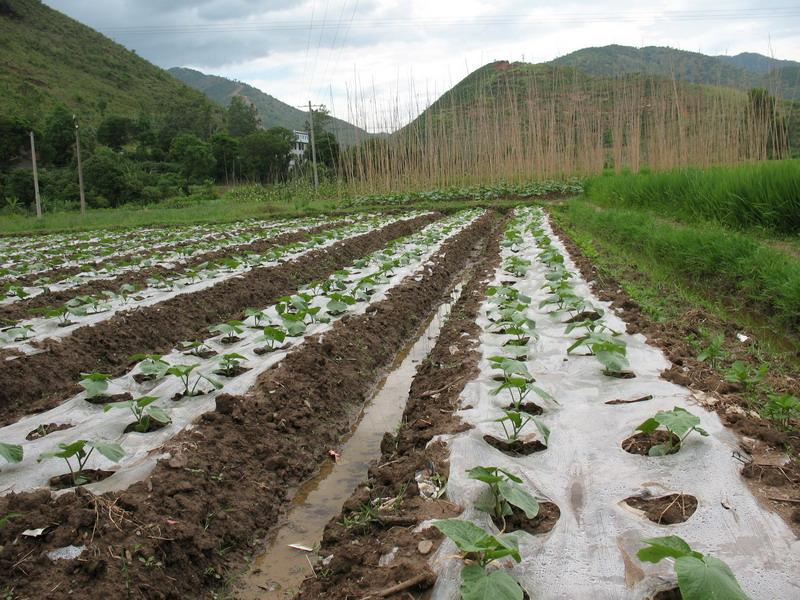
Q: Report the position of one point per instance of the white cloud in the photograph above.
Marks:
(412, 50)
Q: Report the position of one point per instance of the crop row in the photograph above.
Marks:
(41, 254)
(66, 271)
(163, 394)
(535, 189)
(61, 321)
(544, 338)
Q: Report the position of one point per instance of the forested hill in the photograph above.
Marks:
(743, 71)
(271, 111)
(47, 58)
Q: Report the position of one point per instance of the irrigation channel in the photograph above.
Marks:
(278, 572)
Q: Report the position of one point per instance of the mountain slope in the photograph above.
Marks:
(742, 71)
(272, 111)
(47, 58)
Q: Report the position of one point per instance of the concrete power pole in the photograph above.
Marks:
(80, 167)
(36, 179)
(313, 145)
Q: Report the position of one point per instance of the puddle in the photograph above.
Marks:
(278, 573)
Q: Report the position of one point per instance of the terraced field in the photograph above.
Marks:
(177, 404)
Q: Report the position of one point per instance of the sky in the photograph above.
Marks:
(390, 58)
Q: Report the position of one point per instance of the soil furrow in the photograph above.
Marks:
(354, 571)
(24, 308)
(37, 382)
(204, 510)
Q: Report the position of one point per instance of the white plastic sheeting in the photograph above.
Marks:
(591, 552)
(237, 235)
(142, 450)
(48, 327)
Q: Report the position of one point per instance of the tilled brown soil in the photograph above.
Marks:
(34, 383)
(354, 570)
(192, 524)
(759, 437)
(26, 308)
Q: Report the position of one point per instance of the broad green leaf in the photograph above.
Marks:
(649, 426)
(516, 495)
(467, 536)
(158, 414)
(678, 420)
(614, 362)
(11, 452)
(484, 474)
(669, 546)
(112, 452)
(544, 430)
(477, 584)
(707, 579)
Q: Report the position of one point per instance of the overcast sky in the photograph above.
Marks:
(403, 53)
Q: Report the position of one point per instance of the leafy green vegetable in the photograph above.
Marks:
(504, 493)
(77, 450)
(95, 384)
(677, 421)
(273, 336)
(699, 577)
(782, 407)
(183, 372)
(517, 420)
(143, 411)
(476, 582)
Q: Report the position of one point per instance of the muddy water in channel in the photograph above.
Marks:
(277, 574)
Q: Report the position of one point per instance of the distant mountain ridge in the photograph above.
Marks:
(273, 112)
(47, 58)
(742, 71)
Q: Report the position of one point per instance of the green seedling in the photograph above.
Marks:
(17, 291)
(257, 316)
(505, 492)
(126, 290)
(143, 411)
(78, 450)
(700, 577)
(5, 519)
(513, 422)
(609, 350)
(517, 266)
(11, 452)
(229, 330)
(151, 365)
(483, 548)
(339, 303)
(780, 408)
(677, 421)
(273, 336)
(62, 313)
(184, 373)
(18, 333)
(748, 377)
(229, 364)
(197, 348)
(94, 384)
(295, 324)
(519, 388)
(511, 367)
(713, 353)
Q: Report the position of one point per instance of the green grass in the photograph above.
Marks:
(763, 196)
(735, 269)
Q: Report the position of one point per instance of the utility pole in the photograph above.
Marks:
(313, 145)
(80, 168)
(36, 180)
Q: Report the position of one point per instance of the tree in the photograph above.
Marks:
(226, 153)
(116, 131)
(111, 179)
(194, 157)
(242, 118)
(265, 154)
(326, 143)
(14, 140)
(59, 136)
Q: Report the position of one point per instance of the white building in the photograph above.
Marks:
(300, 143)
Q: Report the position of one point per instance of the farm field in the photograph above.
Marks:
(544, 389)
